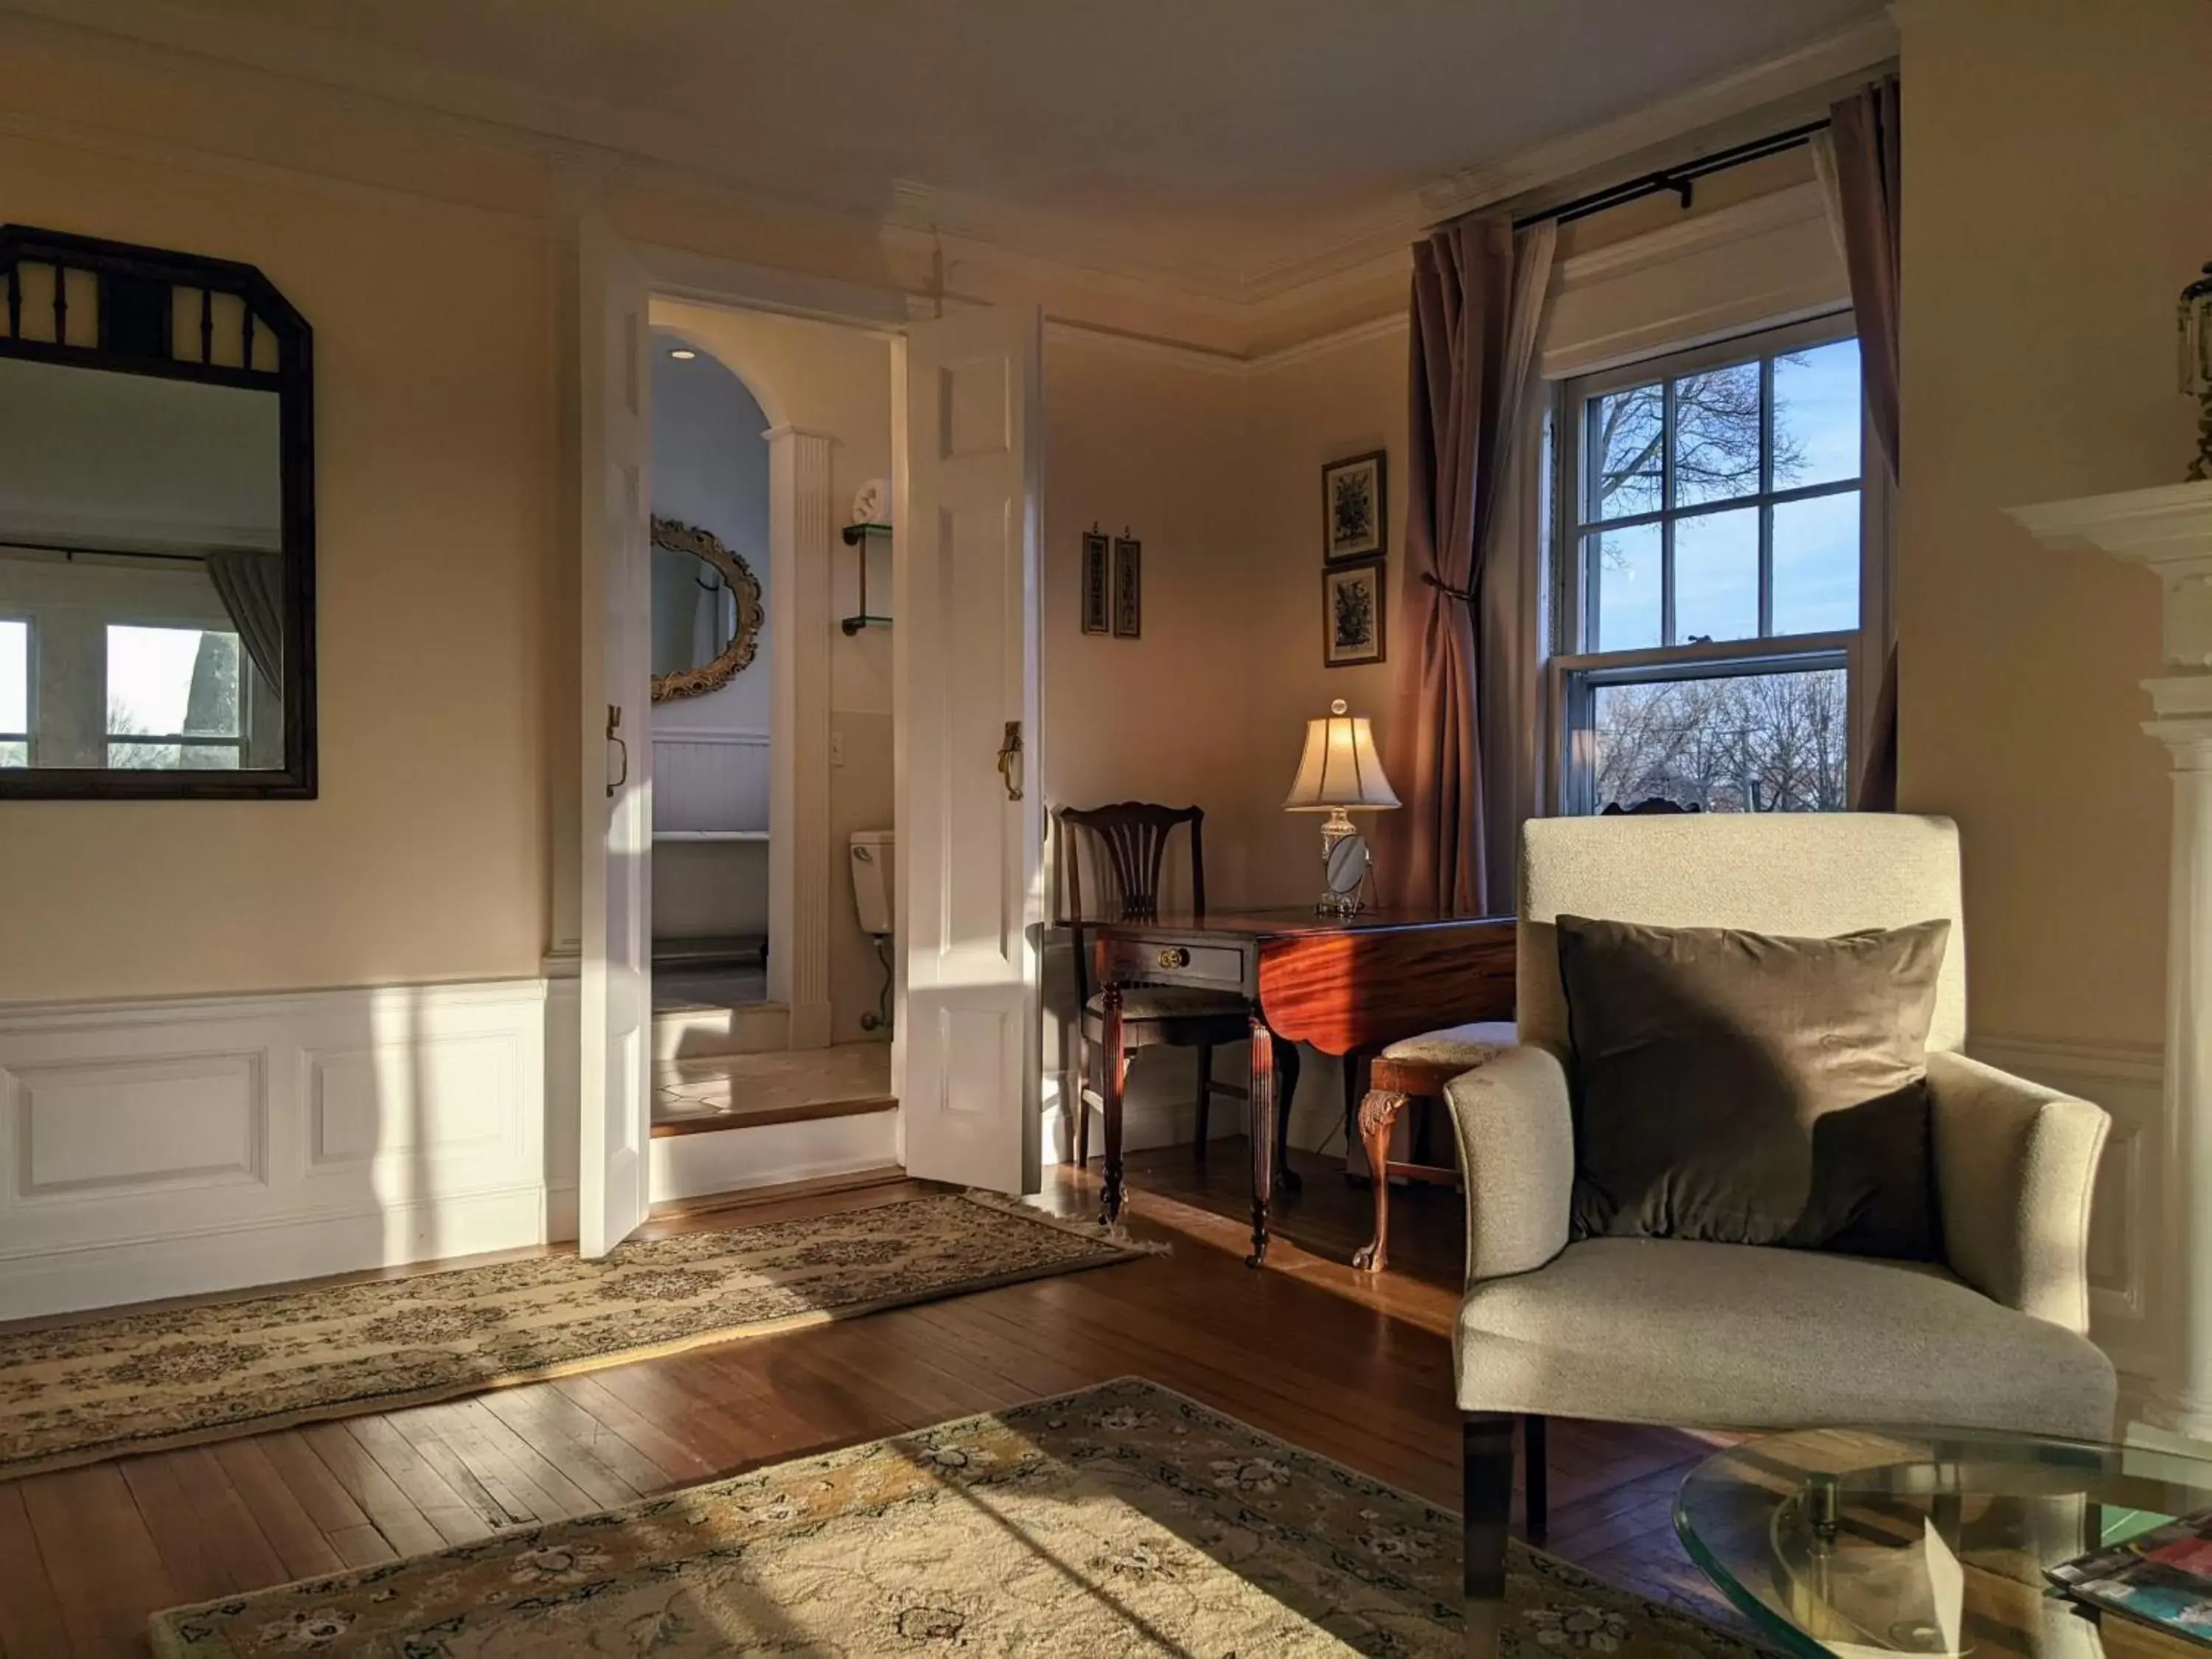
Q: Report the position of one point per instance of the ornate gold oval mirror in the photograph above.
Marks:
(706, 612)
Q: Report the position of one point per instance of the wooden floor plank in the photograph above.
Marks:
(194, 1566)
(300, 1547)
(106, 1570)
(460, 1518)
(594, 1456)
(31, 1623)
(678, 1461)
(388, 1509)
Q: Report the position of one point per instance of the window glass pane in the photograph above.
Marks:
(1742, 743)
(1816, 564)
(1717, 432)
(1816, 415)
(14, 677)
(166, 682)
(1624, 453)
(1716, 576)
(1623, 570)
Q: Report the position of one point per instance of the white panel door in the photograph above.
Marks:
(970, 823)
(615, 392)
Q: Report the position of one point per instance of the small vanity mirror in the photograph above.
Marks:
(706, 612)
(1347, 866)
(156, 565)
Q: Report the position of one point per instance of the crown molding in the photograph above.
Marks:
(1147, 347)
(1375, 328)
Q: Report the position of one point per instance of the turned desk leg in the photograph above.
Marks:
(1378, 1117)
(1261, 1125)
(1113, 1073)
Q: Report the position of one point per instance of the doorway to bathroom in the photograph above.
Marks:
(712, 673)
(773, 848)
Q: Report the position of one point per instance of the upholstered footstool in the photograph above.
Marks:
(1416, 1068)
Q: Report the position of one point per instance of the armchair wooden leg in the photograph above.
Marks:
(1084, 1052)
(1536, 1477)
(1486, 1507)
(1205, 1092)
(1378, 1117)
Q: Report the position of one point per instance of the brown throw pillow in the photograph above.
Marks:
(1753, 1089)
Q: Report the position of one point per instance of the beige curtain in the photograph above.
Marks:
(1456, 741)
(1858, 162)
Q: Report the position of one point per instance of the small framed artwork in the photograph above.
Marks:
(1355, 499)
(1097, 585)
(1352, 613)
(1129, 587)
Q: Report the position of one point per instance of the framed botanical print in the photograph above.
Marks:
(1352, 608)
(1129, 587)
(1355, 499)
(1097, 585)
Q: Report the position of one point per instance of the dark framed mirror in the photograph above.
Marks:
(157, 526)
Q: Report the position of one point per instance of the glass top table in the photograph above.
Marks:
(1856, 1543)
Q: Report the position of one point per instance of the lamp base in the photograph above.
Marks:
(1345, 894)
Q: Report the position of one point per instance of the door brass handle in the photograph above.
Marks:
(1010, 760)
(614, 737)
(1175, 956)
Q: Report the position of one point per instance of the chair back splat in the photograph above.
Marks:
(1131, 838)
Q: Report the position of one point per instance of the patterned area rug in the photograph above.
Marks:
(137, 1381)
(1125, 1519)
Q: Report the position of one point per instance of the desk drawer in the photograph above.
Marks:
(1165, 961)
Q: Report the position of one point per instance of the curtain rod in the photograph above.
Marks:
(1681, 180)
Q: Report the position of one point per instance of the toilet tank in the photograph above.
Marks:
(873, 895)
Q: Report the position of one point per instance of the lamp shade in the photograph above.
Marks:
(1339, 768)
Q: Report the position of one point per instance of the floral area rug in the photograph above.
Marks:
(137, 1381)
(1122, 1520)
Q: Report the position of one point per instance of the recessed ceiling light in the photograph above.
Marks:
(684, 354)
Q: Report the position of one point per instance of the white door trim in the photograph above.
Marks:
(799, 852)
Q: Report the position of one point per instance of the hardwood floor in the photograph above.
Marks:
(1355, 1368)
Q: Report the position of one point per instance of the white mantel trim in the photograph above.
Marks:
(2168, 529)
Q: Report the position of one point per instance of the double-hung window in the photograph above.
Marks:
(1708, 597)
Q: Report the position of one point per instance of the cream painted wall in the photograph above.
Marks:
(425, 857)
(836, 380)
(2056, 196)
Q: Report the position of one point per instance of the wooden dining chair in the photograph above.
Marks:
(1129, 841)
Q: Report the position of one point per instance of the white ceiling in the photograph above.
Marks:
(1269, 126)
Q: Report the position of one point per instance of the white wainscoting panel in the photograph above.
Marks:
(2127, 1230)
(710, 782)
(164, 1148)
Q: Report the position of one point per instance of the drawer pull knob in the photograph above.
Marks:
(1175, 956)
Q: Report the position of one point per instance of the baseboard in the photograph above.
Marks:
(240, 1257)
(156, 1148)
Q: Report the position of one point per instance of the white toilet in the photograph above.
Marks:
(873, 895)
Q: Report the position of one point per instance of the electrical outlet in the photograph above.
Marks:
(836, 748)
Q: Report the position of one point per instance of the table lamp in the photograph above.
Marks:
(1338, 773)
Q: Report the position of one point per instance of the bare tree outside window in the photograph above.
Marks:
(1744, 743)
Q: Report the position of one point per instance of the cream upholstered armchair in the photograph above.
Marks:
(1734, 1336)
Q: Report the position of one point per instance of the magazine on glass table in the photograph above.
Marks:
(2162, 1577)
